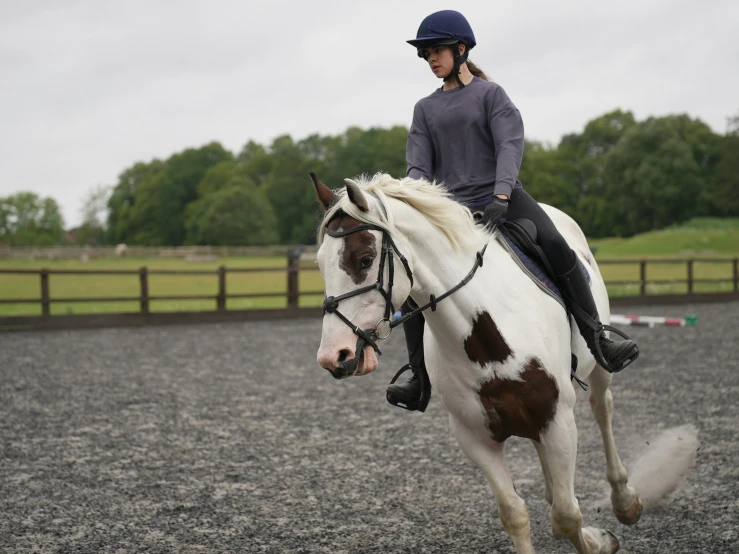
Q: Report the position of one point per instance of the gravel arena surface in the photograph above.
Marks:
(230, 438)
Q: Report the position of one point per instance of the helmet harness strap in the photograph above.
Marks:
(459, 59)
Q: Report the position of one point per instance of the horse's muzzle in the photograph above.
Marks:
(347, 368)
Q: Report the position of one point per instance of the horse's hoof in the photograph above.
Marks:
(631, 515)
(611, 542)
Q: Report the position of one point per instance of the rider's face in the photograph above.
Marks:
(440, 60)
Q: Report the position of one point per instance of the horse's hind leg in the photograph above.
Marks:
(559, 443)
(488, 456)
(626, 504)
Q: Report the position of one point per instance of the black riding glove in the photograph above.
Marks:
(494, 211)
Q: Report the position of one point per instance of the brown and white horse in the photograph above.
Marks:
(498, 350)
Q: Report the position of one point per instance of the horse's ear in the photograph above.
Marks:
(356, 196)
(325, 195)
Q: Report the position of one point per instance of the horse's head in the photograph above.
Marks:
(359, 265)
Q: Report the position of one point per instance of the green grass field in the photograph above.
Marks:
(699, 238)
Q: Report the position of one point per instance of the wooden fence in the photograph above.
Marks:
(293, 294)
(144, 315)
(73, 252)
(690, 279)
(144, 298)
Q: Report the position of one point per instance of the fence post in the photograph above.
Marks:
(45, 303)
(144, 280)
(643, 277)
(690, 276)
(221, 298)
(736, 274)
(293, 265)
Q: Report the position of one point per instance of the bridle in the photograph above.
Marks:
(331, 303)
(370, 336)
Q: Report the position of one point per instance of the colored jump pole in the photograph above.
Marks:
(690, 320)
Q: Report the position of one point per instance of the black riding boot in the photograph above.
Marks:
(415, 393)
(612, 355)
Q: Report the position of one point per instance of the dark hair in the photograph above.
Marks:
(476, 71)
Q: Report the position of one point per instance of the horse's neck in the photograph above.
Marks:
(438, 267)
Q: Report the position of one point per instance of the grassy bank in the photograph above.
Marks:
(698, 238)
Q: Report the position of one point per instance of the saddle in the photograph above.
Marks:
(518, 237)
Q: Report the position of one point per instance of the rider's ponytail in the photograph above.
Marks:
(476, 71)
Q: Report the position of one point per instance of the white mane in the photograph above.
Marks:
(431, 200)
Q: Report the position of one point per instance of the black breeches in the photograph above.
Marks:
(560, 255)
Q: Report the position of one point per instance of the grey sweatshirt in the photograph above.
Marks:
(470, 138)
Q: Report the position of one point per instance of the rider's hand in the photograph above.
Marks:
(494, 211)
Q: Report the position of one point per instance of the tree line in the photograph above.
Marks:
(617, 177)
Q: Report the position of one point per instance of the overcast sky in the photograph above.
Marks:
(91, 86)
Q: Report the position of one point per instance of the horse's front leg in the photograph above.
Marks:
(559, 447)
(626, 504)
(488, 456)
(545, 471)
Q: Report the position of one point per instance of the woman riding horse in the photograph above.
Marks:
(469, 135)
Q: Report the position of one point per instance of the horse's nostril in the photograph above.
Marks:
(343, 355)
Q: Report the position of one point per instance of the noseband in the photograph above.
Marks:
(370, 336)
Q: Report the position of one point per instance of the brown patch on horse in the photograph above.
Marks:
(520, 408)
(356, 246)
(485, 343)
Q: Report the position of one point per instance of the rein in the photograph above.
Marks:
(370, 336)
(433, 301)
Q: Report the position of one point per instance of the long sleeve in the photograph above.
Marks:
(507, 129)
(419, 151)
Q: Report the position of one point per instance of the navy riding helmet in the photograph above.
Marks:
(442, 28)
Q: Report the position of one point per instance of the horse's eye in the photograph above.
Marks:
(366, 262)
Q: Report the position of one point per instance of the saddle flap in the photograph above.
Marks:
(523, 234)
(528, 226)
